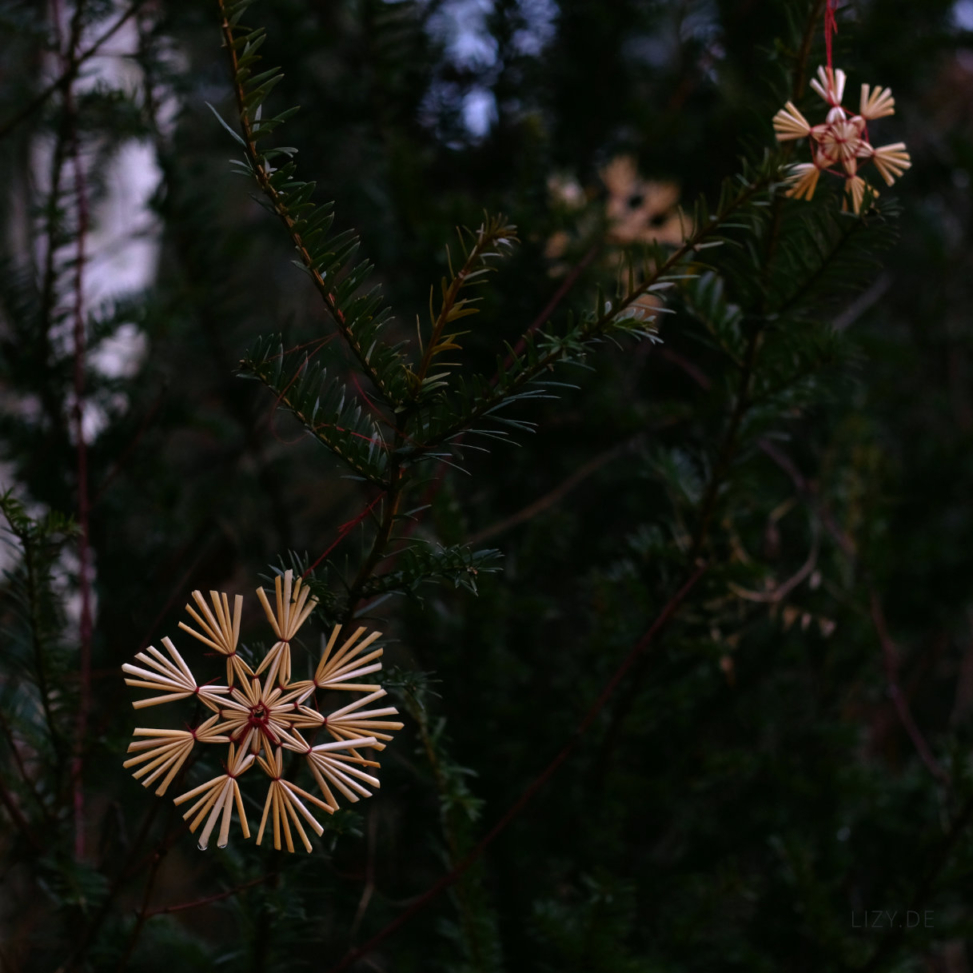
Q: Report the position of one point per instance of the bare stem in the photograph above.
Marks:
(640, 647)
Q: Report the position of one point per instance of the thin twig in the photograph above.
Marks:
(17, 816)
(68, 74)
(219, 896)
(554, 496)
(262, 176)
(21, 768)
(343, 532)
(552, 305)
(143, 913)
(599, 325)
(890, 656)
(369, 889)
(81, 446)
(120, 463)
(665, 616)
(892, 938)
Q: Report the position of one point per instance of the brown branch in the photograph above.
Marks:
(183, 906)
(808, 495)
(601, 324)
(690, 368)
(262, 176)
(369, 890)
(81, 447)
(17, 816)
(779, 592)
(122, 461)
(143, 913)
(552, 497)
(890, 656)
(68, 74)
(545, 315)
(450, 297)
(380, 543)
(21, 768)
(892, 938)
(804, 52)
(658, 626)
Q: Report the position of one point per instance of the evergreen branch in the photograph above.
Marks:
(21, 768)
(448, 780)
(609, 318)
(358, 587)
(81, 450)
(640, 647)
(420, 563)
(17, 816)
(320, 406)
(493, 232)
(323, 257)
(37, 554)
(828, 253)
(70, 72)
(804, 52)
(343, 532)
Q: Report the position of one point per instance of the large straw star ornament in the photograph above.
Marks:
(841, 144)
(261, 713)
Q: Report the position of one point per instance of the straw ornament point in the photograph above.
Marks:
(840, 145)
(262, 712)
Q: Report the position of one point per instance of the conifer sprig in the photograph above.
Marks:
(321, 404)
(492, 240)
(37, 612)
(525, 374)
(325, 256)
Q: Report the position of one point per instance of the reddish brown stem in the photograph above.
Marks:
(123, 459)
(456, 873)
(572, 278)
(183, 906)
(344, 531)
(69, 73)
(890, 656)
(69, 57)
(17, 816)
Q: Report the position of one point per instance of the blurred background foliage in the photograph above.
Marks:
(755, 787)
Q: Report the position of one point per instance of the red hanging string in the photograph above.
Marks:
(830, 28)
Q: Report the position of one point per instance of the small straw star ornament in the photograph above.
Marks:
(259, 718)
(841, 144)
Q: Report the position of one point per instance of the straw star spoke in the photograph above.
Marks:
(261, 713)
(840, 145)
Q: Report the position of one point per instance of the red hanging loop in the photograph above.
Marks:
(830, 28)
